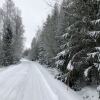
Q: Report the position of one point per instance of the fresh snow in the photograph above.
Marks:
(95, 21)
(30, 81)
(62, 53)
(98, 88)
(70, 4)
(69, 66)
(94, 33)
(98, 67)
(86, 71)
(65, 35)
(59, 62)
(92, 54)
(53, 71)
(97, 48)
(89, 93)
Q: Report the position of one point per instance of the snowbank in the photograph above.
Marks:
(89, 93)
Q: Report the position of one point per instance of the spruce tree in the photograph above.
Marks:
(7, 54)
(12, 39)
(81, 45)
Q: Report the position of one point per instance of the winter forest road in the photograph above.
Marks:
(30, 81)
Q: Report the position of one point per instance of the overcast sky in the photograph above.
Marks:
(34, 13)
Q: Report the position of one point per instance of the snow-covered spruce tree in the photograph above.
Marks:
(50, 32)
(54, 27)
(82, 42)
(7, 54)
(12, 34)
(80, 39)
(47, 41)
(43, 55)
(65, 19)
(38, 51)
(33, 55)
(50, 35)
(1, 22)
(18, 37)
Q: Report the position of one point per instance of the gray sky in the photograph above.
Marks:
(34, 13)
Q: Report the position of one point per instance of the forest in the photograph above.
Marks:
(11, 34)
(70, 42)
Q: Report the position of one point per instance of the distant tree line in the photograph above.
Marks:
(11, 34)
(70, 41)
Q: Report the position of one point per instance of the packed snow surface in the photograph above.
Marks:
(89, 93)
(30, 81)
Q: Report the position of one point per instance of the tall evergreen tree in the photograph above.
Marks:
(12, 34)
(80, 43)
(18, 36)
(71, 37)
(7, 57)
(34, 50)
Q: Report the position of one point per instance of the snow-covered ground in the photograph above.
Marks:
(2, 69)
(53, 71)
(30, 81)
(89, 93)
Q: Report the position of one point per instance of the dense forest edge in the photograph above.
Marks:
(70, 41)
(11, 34)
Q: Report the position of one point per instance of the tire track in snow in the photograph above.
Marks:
(54, 96)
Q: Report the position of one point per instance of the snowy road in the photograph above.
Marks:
(30, 81)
